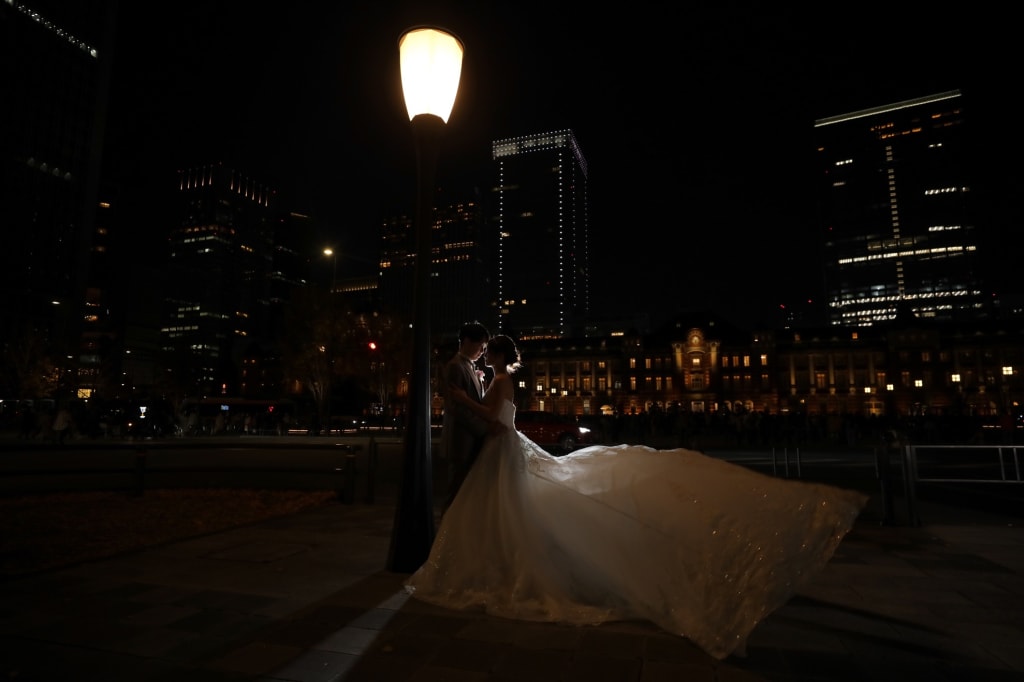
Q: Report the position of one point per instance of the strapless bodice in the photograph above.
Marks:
(507, 415)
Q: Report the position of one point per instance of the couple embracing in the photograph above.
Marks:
(702, 547)
(463, 429)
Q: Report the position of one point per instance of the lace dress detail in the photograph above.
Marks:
(701, 547)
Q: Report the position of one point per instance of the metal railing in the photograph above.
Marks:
(957, 464)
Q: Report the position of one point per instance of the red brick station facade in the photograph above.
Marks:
(902, 369)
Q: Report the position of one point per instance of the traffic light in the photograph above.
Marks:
(372, 345)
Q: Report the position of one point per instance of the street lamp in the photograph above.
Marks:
(431, 63)
(334, 266)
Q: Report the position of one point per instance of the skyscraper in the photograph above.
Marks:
(221, 278)
(460, 276)
(55, 60)
(894, 190)
(540, 213)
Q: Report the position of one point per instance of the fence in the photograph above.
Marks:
(982, 472)
(958, 464)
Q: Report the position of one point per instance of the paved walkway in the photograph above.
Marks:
(308, 599)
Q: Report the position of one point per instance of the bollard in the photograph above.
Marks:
(882, 470)
(909, 469)
(371, 469)
(140, 472)
(346, 489)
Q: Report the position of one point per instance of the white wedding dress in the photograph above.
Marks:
(701, 547)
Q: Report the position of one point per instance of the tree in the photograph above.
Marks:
(29, 369)
(312, 344)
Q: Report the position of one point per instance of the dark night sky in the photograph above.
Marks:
(697, 124)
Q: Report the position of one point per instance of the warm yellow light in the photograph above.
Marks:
(431, 63)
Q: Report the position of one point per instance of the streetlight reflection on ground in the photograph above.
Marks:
(431, 64)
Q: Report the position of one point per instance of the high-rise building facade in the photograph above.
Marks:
(542, 241)
(55, 61)
(221, 280)
(460, 272)
(894, 191)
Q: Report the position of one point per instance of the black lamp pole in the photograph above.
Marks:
(413, 532)
(431, 62)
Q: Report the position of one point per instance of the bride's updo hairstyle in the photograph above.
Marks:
(507, 347)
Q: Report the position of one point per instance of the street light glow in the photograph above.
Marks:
(431, 64)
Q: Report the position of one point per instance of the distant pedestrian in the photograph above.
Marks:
(44, 424)
(29, 424)
(61, 425)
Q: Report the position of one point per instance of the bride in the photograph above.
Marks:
(702, 548)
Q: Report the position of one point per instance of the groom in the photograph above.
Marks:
(463, 431)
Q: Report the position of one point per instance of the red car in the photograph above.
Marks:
(551, 430)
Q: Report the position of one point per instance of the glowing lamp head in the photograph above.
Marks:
(431, 64)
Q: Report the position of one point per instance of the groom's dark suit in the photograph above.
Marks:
(462, 430)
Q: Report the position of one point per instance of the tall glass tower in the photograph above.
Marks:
(220, 284)
(894, 191)
(55, 65)
(459, 274)
(542, 242)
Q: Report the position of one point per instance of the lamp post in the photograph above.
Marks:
(334, 266)
(431, 63)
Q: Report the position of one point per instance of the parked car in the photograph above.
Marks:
(551, 430)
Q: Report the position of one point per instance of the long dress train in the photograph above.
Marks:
(701, 547)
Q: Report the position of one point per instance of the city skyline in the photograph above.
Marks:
(698, 127)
